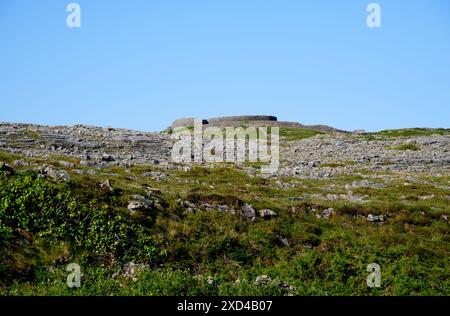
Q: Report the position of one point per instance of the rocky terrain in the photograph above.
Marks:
(114, 201)
(347, 153)
(95, 146)
(321, 156)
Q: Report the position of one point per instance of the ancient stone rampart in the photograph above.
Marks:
(248, 120)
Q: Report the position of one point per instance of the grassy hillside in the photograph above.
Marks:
(291, 134)
(198, 250)
(408, 132)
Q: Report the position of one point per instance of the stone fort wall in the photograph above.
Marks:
(231, 121)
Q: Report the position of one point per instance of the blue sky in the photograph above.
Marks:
(141, 64)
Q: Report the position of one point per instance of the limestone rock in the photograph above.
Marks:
(263, 280)
(378, 219)
(140, 204)
(326, 214)
(249, 212)
(267, 213)
(106, 185)
(52, 173)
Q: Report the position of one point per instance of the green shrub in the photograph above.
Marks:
(32, 205)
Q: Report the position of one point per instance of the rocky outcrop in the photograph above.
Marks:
(83, 149)
(325, 156)
(95, 147)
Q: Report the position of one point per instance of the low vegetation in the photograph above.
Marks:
(47, 224)
(412, 147)
(408, 132)
(292, 134)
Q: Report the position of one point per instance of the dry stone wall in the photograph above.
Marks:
(249, 120)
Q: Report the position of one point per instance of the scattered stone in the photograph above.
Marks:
(224, 208)
(353, 198)
(284, 241)
(296, 198)
(106, 185)
(208, 207)
(364, 183)
(153, 191)
(66, 164)
(140, 204)
(52, 173)
(189, 210)
(287, 288)
(85, 163)
(377, 219)
(249, 212)
(132, 270)
(326, 214)
(187, 204)
(155, 174)
(91, 172)
(107, 158)
(282, 184)
(263, 280)
(266, 213)
(20, 163)
(333, 197)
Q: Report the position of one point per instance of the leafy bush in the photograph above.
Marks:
(31, 205)
(44, 224)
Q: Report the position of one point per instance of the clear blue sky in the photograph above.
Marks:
(141, 64)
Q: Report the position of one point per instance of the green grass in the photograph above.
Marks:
(80, 222)
(292, 134)
(338, 164)
(8, 157)
(408, 132)
(32, 134)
